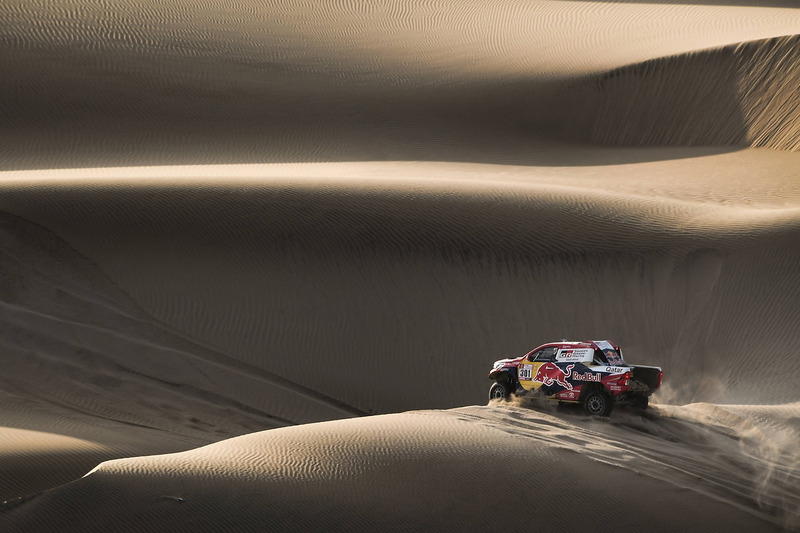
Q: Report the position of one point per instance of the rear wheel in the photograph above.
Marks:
(598, 403)
(500, 390)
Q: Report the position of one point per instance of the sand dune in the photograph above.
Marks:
(462, 470)
(462, 267)
(108, 83)
(219, 220)
(466, 266)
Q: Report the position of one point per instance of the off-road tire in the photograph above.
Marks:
(500, 390)
(598, 403)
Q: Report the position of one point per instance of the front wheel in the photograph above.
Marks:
(500, 390)
(598, 403)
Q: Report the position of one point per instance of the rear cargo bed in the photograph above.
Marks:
(649, 376)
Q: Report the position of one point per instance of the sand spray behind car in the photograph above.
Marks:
(767, 437)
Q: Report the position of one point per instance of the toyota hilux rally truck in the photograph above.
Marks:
(591, 373)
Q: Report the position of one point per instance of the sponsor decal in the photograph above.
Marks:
(573, 354)
(617, 369)
(549, 374)
(587, 376)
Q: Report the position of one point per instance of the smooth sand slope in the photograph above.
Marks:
(468, 469)
(218, 220)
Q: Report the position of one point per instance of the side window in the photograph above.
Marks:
(546, 354)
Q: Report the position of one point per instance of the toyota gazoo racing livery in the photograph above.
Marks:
(591, 373)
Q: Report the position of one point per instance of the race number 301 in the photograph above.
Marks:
(525, 372)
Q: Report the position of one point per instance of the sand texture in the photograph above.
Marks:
(256, 259)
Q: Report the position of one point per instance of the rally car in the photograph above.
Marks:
(592, 373)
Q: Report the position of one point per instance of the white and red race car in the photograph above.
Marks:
(592, 373)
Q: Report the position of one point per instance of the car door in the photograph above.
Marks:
(532, 372)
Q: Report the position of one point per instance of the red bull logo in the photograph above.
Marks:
(549, 373)
(587, 376)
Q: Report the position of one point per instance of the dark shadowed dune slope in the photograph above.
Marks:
(743, 94)
(87, 375)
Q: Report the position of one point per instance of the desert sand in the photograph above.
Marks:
(256, 259)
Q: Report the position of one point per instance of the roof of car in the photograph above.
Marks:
(574, 344)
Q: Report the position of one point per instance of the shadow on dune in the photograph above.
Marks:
(77, 107)
(68, 118)
(743, 94)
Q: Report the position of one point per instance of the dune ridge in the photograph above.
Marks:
(742, 94)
